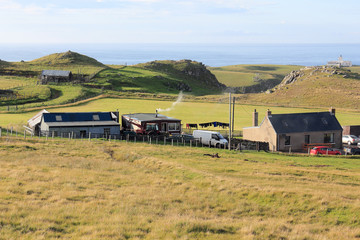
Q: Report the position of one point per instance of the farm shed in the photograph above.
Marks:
(55, 76)
(296, 131)
(151, 123)
(80, 124)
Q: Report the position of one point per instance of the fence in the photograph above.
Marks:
(181, 140)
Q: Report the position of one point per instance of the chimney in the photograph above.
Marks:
(268, 113)
(332, 111)
(156, 115)
(255, 118)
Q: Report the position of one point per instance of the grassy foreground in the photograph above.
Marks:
(106, 190)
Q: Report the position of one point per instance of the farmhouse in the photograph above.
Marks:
(151, 123)
(340, 63)
(55, 76)
(80, 124)
(296, 131)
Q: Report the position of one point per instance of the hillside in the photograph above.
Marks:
(159, 77)
(252, 78)
(73, 189)
(314, 87)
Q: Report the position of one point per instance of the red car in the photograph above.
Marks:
(319, 150)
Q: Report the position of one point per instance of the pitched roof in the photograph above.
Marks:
(80, 118)
(37, 118)
(56, 73)
(150, 117)
(304, 122)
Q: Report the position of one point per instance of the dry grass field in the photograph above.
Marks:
(116, 190)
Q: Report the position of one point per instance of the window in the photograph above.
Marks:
(215, 136)
(307, 139)
(152, 127)
(328, 137)
(287, 140)
(58, 118)
(96, 117)
(174, 126)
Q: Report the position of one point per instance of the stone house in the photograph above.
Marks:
(296, 131)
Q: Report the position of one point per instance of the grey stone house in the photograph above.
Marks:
(296, 131)
(55, 76)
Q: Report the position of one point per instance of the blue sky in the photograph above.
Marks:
(179, 21)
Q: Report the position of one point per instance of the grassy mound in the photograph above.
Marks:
(68, 58)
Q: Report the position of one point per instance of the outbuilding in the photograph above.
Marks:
(55, 76)
(296, 131)
(151, 123)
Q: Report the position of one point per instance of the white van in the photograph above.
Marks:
(211, 138)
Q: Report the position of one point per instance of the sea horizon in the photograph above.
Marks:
(214, 55)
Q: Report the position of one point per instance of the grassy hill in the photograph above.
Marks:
(99, 190)
(316, 87)
(252, 78)
(159, 77)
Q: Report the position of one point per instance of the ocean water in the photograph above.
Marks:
(213, 55)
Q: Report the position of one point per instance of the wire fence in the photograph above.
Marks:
(176, 140)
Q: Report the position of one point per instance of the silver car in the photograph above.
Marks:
(350, 139)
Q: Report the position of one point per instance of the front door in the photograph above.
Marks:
(164, 127)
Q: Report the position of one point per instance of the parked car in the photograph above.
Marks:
(352, 151)
(324, 150)
(350, 139)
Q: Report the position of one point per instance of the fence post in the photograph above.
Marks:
(150, 140)
(47, 136)
(89, 136)
(11, 130)
(39, 134)
(24, 133)
(135, 139)
(172, 142)
(15, 133)
(69, 136)
(109, 138)
(164, 140)
(52, 135)
(0, 132)
(190, 143)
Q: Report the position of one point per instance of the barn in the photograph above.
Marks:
(80, 124)
(151, 123)
(55, 76)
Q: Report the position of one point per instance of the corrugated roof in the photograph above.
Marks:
(150, 117)
(304, 122)
(78, 117)
(56, 73)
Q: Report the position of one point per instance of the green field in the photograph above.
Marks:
(99, 190)
(188, 112)
(244, 75)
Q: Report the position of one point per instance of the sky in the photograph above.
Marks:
(179, 21)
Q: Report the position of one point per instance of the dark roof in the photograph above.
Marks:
(150, 117)
(79, 117)
(304, 122)
(55, 73)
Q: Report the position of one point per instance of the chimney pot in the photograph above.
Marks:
(255, 118)
(332, 111)
(268, 113)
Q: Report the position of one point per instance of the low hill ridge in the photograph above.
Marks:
(68, 57)
(319, 86)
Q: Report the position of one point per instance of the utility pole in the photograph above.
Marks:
(229, 121)
(233, 117)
